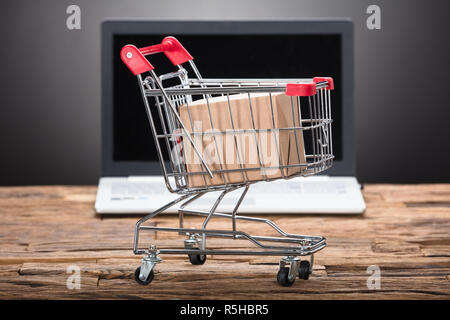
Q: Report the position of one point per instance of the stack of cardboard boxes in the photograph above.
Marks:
(224, 134)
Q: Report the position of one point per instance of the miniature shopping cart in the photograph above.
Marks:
(310, 151)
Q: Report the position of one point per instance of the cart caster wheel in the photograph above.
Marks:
(303, 270)
(197, 259)
(146, 281)
(283, 277)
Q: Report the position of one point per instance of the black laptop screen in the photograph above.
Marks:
(222, 56)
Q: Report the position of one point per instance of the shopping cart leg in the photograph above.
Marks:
(193, 242)
(138, 227)
(305, 268)
(144, 274)
(289, 268)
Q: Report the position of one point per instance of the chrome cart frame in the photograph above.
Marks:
(311, 113)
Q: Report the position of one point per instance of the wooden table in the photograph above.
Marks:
(45, 231)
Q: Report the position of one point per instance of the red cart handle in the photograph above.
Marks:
(308, 89)
(134, 58)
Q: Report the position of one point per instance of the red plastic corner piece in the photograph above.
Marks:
(175, 51)
(327, 79)
(300, 89)
(134, 60)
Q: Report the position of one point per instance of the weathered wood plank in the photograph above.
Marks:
(405, 232)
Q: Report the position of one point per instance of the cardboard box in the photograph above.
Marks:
(224, 135)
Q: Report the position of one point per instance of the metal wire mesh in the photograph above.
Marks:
(297, 130)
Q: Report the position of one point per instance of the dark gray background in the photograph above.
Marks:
(50, 83)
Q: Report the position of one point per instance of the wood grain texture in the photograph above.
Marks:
(405, 231)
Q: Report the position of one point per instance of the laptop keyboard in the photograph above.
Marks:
(330, 187)
(144, 190)
(136, 190)
(305, 187)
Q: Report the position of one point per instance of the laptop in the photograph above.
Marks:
(131, 181)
